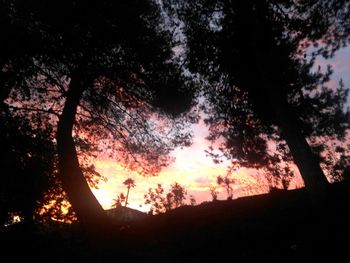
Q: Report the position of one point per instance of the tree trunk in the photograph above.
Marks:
(309, 167)
(89, 212)
(314, 178)
(127, 197)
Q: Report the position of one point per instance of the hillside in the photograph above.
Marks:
(125, 215)
(280, 227)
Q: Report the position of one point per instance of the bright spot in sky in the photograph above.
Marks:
(192, 169)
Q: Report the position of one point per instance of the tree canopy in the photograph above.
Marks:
(105, 76)
(105, 70)
(25, 172)
(261, 84)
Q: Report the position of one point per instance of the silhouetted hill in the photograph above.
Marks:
(122, 215)
(282, 226)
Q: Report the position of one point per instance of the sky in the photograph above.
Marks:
(193, 169)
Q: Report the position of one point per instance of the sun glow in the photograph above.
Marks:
(192, 168)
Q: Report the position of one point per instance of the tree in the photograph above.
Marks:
(334, 156)
(102, 72)
(26, 173)
(173, 199)
(128, 183)
(118, 202)
(14, 56)
(226, 182)
(213, 192)
(107, 72)
(30, 185)
(155, 198)
(262, 88)
(176, 196)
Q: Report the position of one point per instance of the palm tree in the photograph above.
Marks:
(129, 183)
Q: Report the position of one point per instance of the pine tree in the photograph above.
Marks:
(105, 73)
(259, 81)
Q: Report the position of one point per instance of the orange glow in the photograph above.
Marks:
(192, 169)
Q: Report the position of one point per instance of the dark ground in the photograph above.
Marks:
(279, 227)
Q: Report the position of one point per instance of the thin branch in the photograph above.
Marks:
(56, 82)
(49, 111)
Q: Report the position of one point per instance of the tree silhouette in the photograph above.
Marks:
(14, 56)
(129, 183)
(226, 182)
(176, 196)
(155, 198)
(213, 192)
(30, 185)
(259, 82)
(193, 201)
(161, 203)
(118, 202)
(102, 71)
(26, 168)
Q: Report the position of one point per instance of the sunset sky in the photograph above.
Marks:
(192, 168)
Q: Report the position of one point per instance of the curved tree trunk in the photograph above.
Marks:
(89, 212)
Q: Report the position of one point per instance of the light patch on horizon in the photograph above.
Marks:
(192, 168)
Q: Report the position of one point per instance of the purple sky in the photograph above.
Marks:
(341, 65)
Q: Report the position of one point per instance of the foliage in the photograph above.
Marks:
(176, 196)
(279, 176)
(260, 83)
(107, 69)
(126, 82)
(27, 167)
(30, 185)
(56, 207)
(129, 183)
(161, 203)
(213, 192)
(226, 182)
(118, 202)
(155, 198)
(334, 157)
